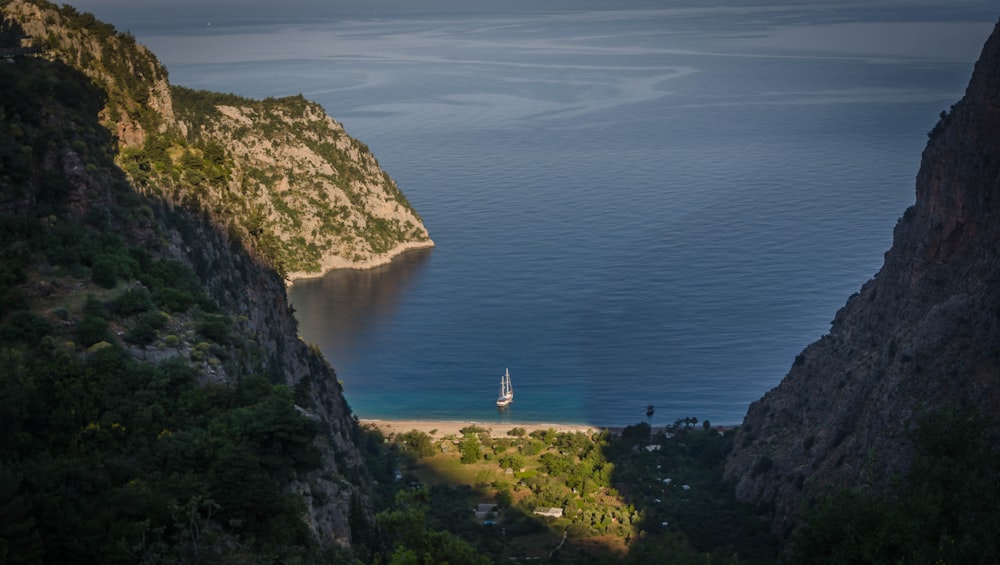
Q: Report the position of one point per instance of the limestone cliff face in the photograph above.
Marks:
(301, 177)
(924, 333)
(278, 174)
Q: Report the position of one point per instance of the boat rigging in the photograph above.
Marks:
(506, 391)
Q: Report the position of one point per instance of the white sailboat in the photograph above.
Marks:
(506, 391)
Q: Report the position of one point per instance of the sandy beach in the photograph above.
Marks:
(441, 428)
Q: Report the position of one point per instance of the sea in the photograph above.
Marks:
(638, 203)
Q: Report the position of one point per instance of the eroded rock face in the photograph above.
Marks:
(924, 333)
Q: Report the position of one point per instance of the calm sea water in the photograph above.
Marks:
(635, 206)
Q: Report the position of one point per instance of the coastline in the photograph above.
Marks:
(443, 428)
(335, 262)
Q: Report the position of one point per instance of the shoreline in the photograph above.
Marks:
(336, 262)
(443, 428)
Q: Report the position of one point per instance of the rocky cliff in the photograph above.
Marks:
(923, 334)
(121, 279)
(278, 174)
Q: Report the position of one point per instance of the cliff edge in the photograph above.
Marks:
(923, 334)
(279, 174)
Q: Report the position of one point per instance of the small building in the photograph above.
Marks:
(550, 512)
(483, 511)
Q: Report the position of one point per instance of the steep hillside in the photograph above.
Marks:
(279, 174)
(157, 403)
(923, 334)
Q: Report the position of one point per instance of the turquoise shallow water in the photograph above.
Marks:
(631, 206)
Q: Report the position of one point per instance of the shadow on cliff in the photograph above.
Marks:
(923, 334)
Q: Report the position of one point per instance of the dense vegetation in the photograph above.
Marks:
(944, 509)
(105, 456)
(644, 497)
(110, 458)
(637, 497)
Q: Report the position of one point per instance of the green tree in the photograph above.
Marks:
(512, 461)
(638, 433)
(25, 326)
(417, 443)
(470, 448)
(407, 539)
(132, 301)
(92, 329)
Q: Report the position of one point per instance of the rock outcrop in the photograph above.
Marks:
(923, 334)
(279, 174)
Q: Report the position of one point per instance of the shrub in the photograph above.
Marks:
(94, 307)
(107, 269)
(92, 329)
(532, 447)
(144, 331)
(175, 300)
(26, 327)
(512, 461)
(132, 301)
(215, 328)
(141, 334)
(417, 443)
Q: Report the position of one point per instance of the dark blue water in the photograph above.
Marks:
(631, 207)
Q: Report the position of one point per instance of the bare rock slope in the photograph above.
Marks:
(923, 334)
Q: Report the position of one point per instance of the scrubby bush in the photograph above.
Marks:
(215, 328)
(132, 301)
(175, 300)
(144, 329)
(92, 329)
(25, 327)
(108, 268)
